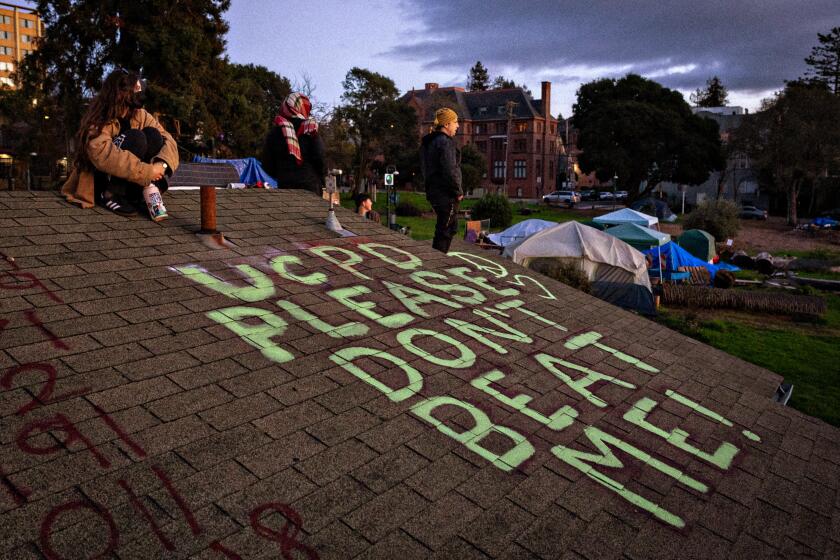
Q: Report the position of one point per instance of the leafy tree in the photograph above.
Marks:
(478, 79)
(473, 167)
(376, 123)
(794, 141)
(715, 94)
(178, 47)
(825, 60)
(645, 133)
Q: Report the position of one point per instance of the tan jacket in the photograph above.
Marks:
(110, 159)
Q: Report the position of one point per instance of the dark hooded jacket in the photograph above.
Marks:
(280, 164)
(440, 161)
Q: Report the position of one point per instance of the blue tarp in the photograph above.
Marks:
(825, 222)
(249, 169)
(675, 257)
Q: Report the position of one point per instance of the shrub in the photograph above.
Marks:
(495, 208)
(408, 209)
(567, 272)
(718, 217)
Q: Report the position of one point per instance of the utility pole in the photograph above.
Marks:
(510, 106)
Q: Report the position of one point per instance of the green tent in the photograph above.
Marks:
(698, 243)
(639, 237)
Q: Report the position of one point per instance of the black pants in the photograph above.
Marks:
(446, 225)
(145, 144)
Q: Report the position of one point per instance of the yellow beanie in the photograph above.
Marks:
(445, 116)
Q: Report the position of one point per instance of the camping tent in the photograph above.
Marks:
(616, 271)
(699, 243)
(639, 237)
(249, 169)
(675, 257)
(520, 231)
(626, 216)
(655, 207)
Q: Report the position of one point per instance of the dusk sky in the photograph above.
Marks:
(752, 45)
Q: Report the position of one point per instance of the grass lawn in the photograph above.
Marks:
(805, 354)
(424, 227)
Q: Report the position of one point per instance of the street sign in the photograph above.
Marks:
(389, 179)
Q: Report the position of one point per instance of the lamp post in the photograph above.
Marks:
(615, 182)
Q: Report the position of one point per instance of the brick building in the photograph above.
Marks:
(20, 28)
(485, 117)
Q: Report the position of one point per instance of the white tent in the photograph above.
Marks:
(626, 216)
(617, 272)
(520, 231)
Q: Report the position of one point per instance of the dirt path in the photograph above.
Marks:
(774, 235)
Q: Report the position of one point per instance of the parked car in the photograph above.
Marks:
(752, 213)
(589, 194)
(562, 197)
(621, 195)
(605, 195)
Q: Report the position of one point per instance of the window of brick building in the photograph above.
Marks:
(7, 67)
(554, 129)
(551, 169)
(521, 127)
(28, 24)
(26, 39)
(539, 167)
(539, 146)
(518, 192)
(501, 128)
(498, 144)
(482, 110)
(4, 34)
(520, 169)
(5, 20)
(499, 169)
(477, 129)
(500, 110)
(520, 145)
(7, 51)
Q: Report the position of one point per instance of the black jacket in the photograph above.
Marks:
(440, 160)
(280, 164)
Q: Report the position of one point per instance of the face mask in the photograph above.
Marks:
(138, 98)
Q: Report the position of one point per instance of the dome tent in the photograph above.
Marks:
(520, 231)
(626, 216)
(698, 243)
(616, 271)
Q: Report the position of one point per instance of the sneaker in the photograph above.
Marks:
(117, 207)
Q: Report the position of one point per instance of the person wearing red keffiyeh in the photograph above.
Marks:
(294, 152)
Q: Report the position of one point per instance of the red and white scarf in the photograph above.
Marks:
(296, 106)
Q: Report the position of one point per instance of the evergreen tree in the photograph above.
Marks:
(825, 60)
(714, 95)
(478, 79)
(178, 47)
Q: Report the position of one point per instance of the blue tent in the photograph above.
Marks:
(675, 257)
(249, 169)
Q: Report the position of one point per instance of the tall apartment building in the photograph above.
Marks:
(20, 27)
(535, 145)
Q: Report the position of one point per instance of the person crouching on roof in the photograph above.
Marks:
(120, 149)
(440, 160)
(293, 152)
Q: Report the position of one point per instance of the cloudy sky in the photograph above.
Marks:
(752, 45)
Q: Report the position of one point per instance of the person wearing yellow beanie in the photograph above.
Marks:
(440, 161)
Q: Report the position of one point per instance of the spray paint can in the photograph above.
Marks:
(154, 202)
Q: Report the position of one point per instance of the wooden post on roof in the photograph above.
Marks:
(208, 209)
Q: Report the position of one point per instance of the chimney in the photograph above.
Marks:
(546, 100)
(431, 86)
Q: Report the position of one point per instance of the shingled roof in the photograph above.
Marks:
(303, 394)
(470, 103)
